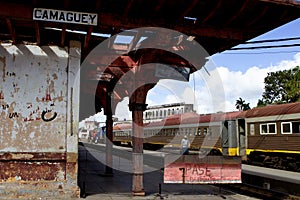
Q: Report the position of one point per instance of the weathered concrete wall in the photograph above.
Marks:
(39, 106)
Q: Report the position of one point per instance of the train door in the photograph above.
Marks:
(241, 128)
(225, 138)
(229, 138)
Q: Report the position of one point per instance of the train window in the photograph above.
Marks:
(204, 131)
(199, 131)
(269, 128)
(296, 127)
(286, 128)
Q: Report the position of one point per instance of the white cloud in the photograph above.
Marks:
(216, 91)
(249, 85)
(122, 110)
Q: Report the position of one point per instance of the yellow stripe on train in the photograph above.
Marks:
(248, 151)
(233, 151)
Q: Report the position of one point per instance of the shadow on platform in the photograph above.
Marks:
(93, 180)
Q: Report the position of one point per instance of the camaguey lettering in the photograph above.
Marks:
(65, 16)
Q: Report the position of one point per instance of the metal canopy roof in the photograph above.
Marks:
(217, 25)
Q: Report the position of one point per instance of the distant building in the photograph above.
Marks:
(83, 133)
(157, 113)
(90, 125)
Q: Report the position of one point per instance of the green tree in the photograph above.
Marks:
(281, 87)
(242, 105)
(260, 103)
(293, 86)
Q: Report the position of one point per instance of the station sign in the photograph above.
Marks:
(190, 169)
(62, 16)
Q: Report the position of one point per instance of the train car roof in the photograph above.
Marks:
(278, 109)
(194, 118)
(185, 118)
(122, 126)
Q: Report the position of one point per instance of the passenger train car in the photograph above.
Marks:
(203, 131)
(268, 136)
(271, 135)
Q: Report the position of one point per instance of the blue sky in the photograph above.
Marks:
(243, 59)
(234, 74)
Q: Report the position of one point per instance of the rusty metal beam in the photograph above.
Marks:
(111, 40)
(127, 9)
(66, 3)
(109, 131)
(64, 26)
(119, 22)
(38, 33)
(284, 2)
(11, 30)
(63, 35)
(135, 40)
(212, 12)
(98, 4)
(158, 7)
(188, 10)
(137, 155)
(236, 15)
(199, 31)
(87, 38)
(258, 16)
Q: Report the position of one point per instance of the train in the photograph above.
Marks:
(267, 136)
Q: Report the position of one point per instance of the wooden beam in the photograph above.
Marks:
(11, 30)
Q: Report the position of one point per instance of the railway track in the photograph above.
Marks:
(259, 192)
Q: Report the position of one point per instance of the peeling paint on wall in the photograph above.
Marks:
(38, 150)
(34, 98)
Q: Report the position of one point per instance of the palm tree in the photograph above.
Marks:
(241, 105)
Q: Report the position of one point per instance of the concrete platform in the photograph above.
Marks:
(95, 184)
(276, 174)
(286, 182)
